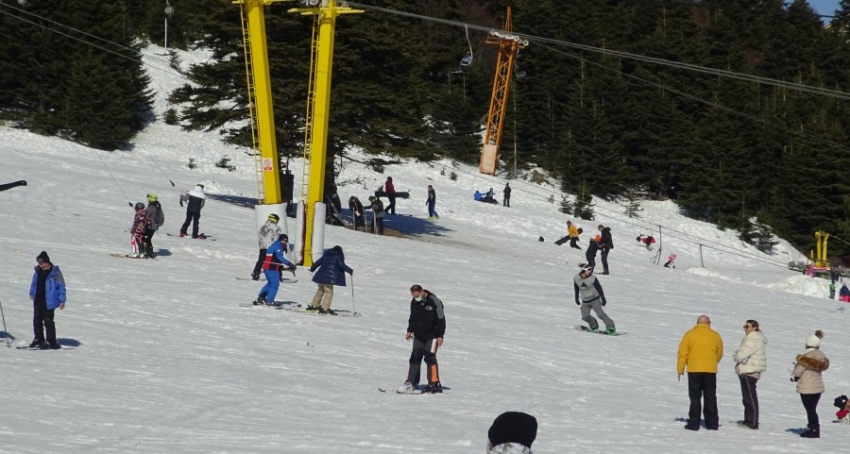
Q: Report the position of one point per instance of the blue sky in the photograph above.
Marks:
(827, 7)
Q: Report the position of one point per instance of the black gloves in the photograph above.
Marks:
(604, 302)
(578, 303)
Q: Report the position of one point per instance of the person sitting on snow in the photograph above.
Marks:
(477, 196)
(670, 261)
(843, 413)
(844, 293)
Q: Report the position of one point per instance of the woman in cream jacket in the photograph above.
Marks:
(807, 374)
(750, 362)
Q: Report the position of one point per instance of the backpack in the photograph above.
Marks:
(580, 231)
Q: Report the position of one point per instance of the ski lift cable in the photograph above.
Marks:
(660, 61)
(469, 43)
(127, 57)
(114, 179)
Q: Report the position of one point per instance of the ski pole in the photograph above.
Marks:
(6, 330)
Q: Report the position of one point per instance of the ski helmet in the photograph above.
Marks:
(152, 198)
(140, 206)
(274, 218)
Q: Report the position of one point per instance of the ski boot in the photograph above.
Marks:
(611, 330)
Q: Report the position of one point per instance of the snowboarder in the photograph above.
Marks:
(272, 264)
(606, 243)
(195, 199)
(389, 188)
(647, 240)
(141, 223)
(670, 261)
(807, 373)
(592, 248)
(356, 208)
(332, 269)
(269, 232)
(47, 292)
(588, 288)
(426, 326)
(507, 192)
(750, 362)
(512, 432)
(377, 215)
(701, 349)
(157, 218)
(432, 203)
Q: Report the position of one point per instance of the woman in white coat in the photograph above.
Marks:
(750, 362)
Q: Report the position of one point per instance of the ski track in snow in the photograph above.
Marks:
(168, 361)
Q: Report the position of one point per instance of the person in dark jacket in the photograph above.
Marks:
(592, 249)
(390, 190)
(273, 263)
(507, 192)
(589, 295)
(47, 292)
(195, 199)
(605, 245)
(377, 214)
(432, 203)
(141, 222)
(157, 218)
(332, 269)
(426, 326)
(356, 207)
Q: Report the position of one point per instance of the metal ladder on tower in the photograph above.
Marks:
(311, 109)
(252, 102)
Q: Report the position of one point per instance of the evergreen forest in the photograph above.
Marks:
(738, 110)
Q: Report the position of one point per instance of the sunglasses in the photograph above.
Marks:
(747, 326)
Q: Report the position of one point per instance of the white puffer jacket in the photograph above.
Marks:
(751, 356)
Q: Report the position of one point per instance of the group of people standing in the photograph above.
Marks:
(148, 219)
(701, 350)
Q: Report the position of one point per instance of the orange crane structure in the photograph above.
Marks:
(509, 44)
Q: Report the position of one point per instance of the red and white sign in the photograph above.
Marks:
(267, 164)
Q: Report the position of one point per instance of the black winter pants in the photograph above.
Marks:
(591, 259)
(193, 218)
(574, 243)
(750, 399)
(42, 320)
(391, 206)
(703, 386)
(605, 259)
(259, 265)
(810, 403)
(148, 244)
(507, 201)
(428, 350)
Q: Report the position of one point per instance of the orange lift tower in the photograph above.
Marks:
(509, 44)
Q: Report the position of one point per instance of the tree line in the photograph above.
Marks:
(750, 156)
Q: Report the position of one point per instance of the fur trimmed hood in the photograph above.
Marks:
(812, 363)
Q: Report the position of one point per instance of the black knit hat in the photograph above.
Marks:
(513, 426)
(43, 257)
(840, 401)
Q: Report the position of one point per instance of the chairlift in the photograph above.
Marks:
(466, 60)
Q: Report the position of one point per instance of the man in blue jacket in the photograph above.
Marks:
(332, 269)
(272, 264)
(47, 292)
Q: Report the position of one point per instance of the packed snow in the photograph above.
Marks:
(166, 361)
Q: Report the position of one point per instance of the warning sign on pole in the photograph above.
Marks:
(267, 164)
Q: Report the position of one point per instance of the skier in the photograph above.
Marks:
(195, 199)
(512, 432)
(332, 269)
(390, 190)
(272, 265)
(507, 192)
(432, 203)
(157, 218)
(356, 208)
(47, 292)
(269, 231)
(588, 287)
(592, 248)
(426, 326)
(377, 215)
(141, 222)
(670, 261)
(807, 373)
(606, 243)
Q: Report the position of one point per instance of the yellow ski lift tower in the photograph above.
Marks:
(317, 120)
(508, 44)
(820, 261)
(261, 114)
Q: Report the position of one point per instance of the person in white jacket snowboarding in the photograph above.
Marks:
(750, 362)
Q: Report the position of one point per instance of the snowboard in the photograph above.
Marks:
(587, 330)
(303, 310)
(127, 256)
(413, 392)
(202, 236)
(36, 349)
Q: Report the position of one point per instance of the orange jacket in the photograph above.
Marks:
(573, 231)
(701, 349)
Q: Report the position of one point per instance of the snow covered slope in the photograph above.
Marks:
(167, 361)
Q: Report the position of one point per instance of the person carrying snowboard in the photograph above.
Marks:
(332, 269)
(573, 233)
(195, 201)
(269, 232)
(157, 218)
(141, 221)
(589, 295)
(272, 264)
(389, 189)
(426, 326)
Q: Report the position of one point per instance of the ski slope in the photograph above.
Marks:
(166, 361)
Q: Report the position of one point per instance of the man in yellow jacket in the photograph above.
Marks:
(700, 350)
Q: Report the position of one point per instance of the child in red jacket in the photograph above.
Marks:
(843, 413)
